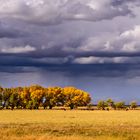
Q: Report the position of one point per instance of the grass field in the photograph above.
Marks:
(69, 125)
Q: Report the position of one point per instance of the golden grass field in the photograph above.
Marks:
(69, 125)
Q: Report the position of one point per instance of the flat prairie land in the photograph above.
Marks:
(69, 125)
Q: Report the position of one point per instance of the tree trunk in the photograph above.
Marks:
(50, 106)
(71, 106)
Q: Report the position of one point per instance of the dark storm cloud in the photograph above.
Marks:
(11, 33)
(37, 34)
(94, 70)
(70, 56)
(8, 31)
(120, 2)
(15, 69)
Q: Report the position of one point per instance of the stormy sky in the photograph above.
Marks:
(91, 44)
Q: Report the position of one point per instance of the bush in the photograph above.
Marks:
(102, 105)
(120, 105)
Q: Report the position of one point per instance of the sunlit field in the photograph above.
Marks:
(69, 125)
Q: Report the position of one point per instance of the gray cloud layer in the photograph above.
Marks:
(55, 11)
(67, 35)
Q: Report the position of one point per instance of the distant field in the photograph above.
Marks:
(69, 125)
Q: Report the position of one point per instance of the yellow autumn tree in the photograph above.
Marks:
(37, 97)
(25, 96)
(53, 97)
(75, 97)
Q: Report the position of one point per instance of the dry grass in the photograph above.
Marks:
(69, 125)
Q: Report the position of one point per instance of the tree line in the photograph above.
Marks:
(110, 104)
(36, 96)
